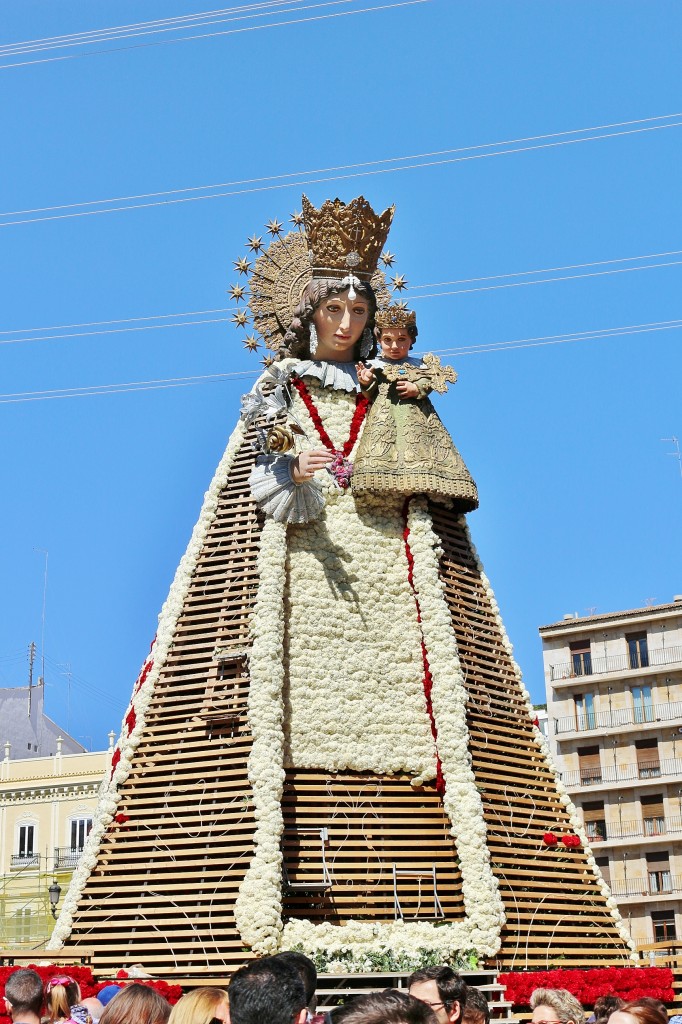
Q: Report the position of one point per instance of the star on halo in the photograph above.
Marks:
(267, 361)
(387, 258)
(237, 292)
(254, 243)
(274, 227)
(251, 343)
(242, 265)
(240, 318)
(401, 305)
(296, 219)
(399, 282)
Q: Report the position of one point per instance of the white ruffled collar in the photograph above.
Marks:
(339, 376)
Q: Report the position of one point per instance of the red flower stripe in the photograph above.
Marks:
(361, 406)
(131, 719)
(630, 983)
(428, 678)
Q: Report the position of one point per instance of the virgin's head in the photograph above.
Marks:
(339, 321)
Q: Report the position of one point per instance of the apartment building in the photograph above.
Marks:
(614, 706)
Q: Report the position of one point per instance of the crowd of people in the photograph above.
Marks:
(281, 989)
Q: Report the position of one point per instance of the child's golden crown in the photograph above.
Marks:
(395, 316)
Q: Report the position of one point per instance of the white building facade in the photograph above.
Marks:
(614, 706)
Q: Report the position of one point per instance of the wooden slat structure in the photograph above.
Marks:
(163, 890)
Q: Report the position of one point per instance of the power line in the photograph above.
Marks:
(223, 32)
(464, 350)
(358, 170)
(141, 323)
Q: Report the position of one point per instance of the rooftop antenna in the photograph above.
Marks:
(42, 630)
(31, 659)
(677, 454)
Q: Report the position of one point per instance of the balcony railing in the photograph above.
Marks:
(643, 829)
(66, 857)
(591, 666)
(616, 718)
(622, 773)
(656, 883)
(25, 860)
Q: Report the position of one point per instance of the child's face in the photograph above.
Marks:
(395, 343)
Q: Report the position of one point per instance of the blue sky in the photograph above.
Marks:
(580, 505)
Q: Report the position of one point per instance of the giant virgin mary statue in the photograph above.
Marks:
(339, 637)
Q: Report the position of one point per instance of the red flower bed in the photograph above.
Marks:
(627, 982)
(88, 985)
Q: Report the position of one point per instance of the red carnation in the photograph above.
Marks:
(121, 818)
(571, 840)
(131, 719)
(115, 759)
(549, 839)
(536, 722)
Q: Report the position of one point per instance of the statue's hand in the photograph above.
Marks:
(407, 389)
(306, 465)
(365, 374)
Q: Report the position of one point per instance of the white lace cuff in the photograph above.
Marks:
(277, 494)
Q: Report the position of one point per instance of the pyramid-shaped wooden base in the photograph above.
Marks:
(163, 890)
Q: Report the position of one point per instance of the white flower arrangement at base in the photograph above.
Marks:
(543, 746)
(129, 740)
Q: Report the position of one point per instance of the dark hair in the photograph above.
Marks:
(265, 990)
(139, 1004)
(646, 1010)
(451, 988)
(24, 990)
(605, 1006)
(297, 338)
(306, 969)
(476, 1010)
(388, 1007)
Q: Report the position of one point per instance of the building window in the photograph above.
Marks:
(653, 817)
(648, 762)
(26, 840)
(663, 924)
(581, 657)
(595, 821)
(590, 766)
(658, 870)
(643, 704)
(80, 830)
(604, 865)
(584, 711)
(638, 650)
(23, 925)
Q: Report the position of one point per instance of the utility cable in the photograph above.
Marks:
(464, 350)
(368, 168)
(223, 32)
(142, 323)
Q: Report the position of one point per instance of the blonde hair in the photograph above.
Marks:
(198, 1007)
(565, 1005)
(61, 993)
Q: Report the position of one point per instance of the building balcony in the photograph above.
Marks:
(25, 860)
(639, 661)
(66, 857)
(618, 718)
(657, 883)
(615, 774)
(602, 832)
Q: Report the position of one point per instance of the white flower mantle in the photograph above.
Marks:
(129, 739)
(543, 746)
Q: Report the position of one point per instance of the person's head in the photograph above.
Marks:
(396, 329)
(94, 1007)
(201, 1006)
(61, 993)
(442, 989)
(395, 343)
(106, 994)
(388, 1007)
(307, 971)
(339, 321)
(267, 990)
(605, 1006)
(24, 994)
(136, 1004)
(641, 1011)
(555, 1006)
(476, 1010)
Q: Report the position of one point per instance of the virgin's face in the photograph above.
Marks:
(339, 322)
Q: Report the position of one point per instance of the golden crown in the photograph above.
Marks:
(395, 316)
(345, 238)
